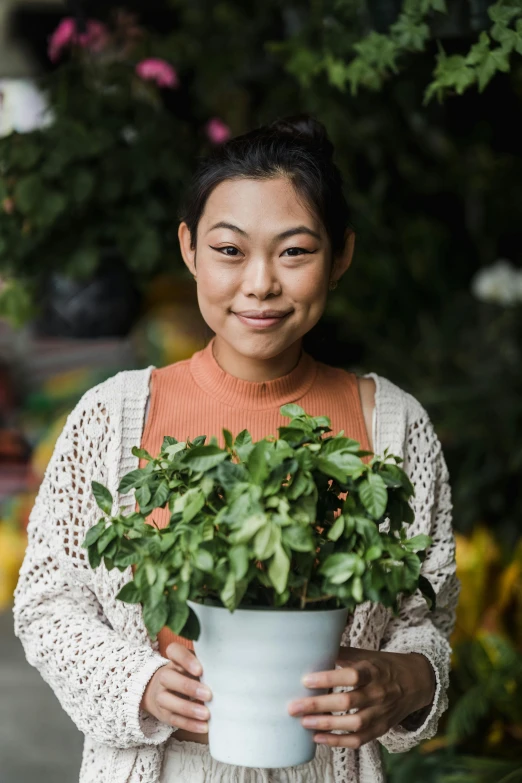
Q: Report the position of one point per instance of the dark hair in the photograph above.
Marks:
(296, 147)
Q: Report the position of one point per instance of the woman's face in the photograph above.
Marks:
(258, 249)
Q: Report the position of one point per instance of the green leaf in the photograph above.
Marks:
(339, 444)
(102, 496)
(194, 500)
(418, 543)
(161, 494)
(131, 480)
(174, 448)
(249, 528)
(229, 440)
(373, 553)
(94, 533)
(496, 60)
(278, 569)
(204, 560)
(178, 614)
(372, 491)
(229, 593)
(230, 473)
(291, 410)
(339, 567)
(239, 561)
(94, 556)
(357, 589)
(191, 629)
(299, 538)
(242, 438)
(257, 463)
(106, 537)
(331, 470)
(155, 616)
(265, 541)
(129, 593)
(142, 453)
(337, 528)
(203, 458)
(142, 494)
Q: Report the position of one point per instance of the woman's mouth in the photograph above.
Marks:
(261, 323)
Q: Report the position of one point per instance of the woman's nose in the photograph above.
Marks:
(260, 279)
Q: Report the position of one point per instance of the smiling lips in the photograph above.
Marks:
(262, 319)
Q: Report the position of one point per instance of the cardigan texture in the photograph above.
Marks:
(208, 399)
(94, 651)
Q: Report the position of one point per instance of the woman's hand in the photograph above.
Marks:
(169, 692)
(388, 688)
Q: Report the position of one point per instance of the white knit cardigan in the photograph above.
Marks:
(94, 650)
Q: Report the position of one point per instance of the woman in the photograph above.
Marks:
(265, 233)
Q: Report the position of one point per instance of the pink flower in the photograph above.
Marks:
(94, 38)
(217, 131)
(159, 71)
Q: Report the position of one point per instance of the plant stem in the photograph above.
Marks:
(303, 596)
(321, 598)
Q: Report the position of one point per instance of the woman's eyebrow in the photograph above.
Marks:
(283, 235)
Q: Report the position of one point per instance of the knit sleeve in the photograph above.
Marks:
(417, 629)
(97, 675)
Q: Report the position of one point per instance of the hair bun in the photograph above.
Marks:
(307, 128)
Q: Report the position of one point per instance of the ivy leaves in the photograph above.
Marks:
(293, 521)
(375, 57)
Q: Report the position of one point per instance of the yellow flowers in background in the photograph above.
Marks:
(13, 541)
(491, 592)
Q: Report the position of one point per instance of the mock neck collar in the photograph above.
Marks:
(251, 395)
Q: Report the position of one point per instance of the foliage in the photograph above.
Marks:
(479, 737)
(447, 766)
(104, 174)
(256, 524)
(480, 742)
(349, 55)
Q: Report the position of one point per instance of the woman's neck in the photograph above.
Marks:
(256, 370)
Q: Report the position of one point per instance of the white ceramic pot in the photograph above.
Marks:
(253, 661)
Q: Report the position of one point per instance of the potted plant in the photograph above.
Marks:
(270, 545)
(86, 197)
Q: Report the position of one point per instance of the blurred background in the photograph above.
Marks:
(104, 109)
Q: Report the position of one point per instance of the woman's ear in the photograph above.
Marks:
(188, 253)
(343, 260)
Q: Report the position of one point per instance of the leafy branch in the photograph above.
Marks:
(373, 59)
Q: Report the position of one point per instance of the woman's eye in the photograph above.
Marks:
(301, 249)
(228, 247)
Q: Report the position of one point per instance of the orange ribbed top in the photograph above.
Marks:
(197, 397)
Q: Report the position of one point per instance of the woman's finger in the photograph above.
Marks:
(358, 722)
(185, 708)
(356, 674)
(184, 657)
(373, 729)
(332, 702)
(179, 722)
(180, 683)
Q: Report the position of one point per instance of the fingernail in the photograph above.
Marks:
(320, 740)
(296, 707)
(309, 722)
(201, 712)
(203, 693)
(195, 667)
(310, 680)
